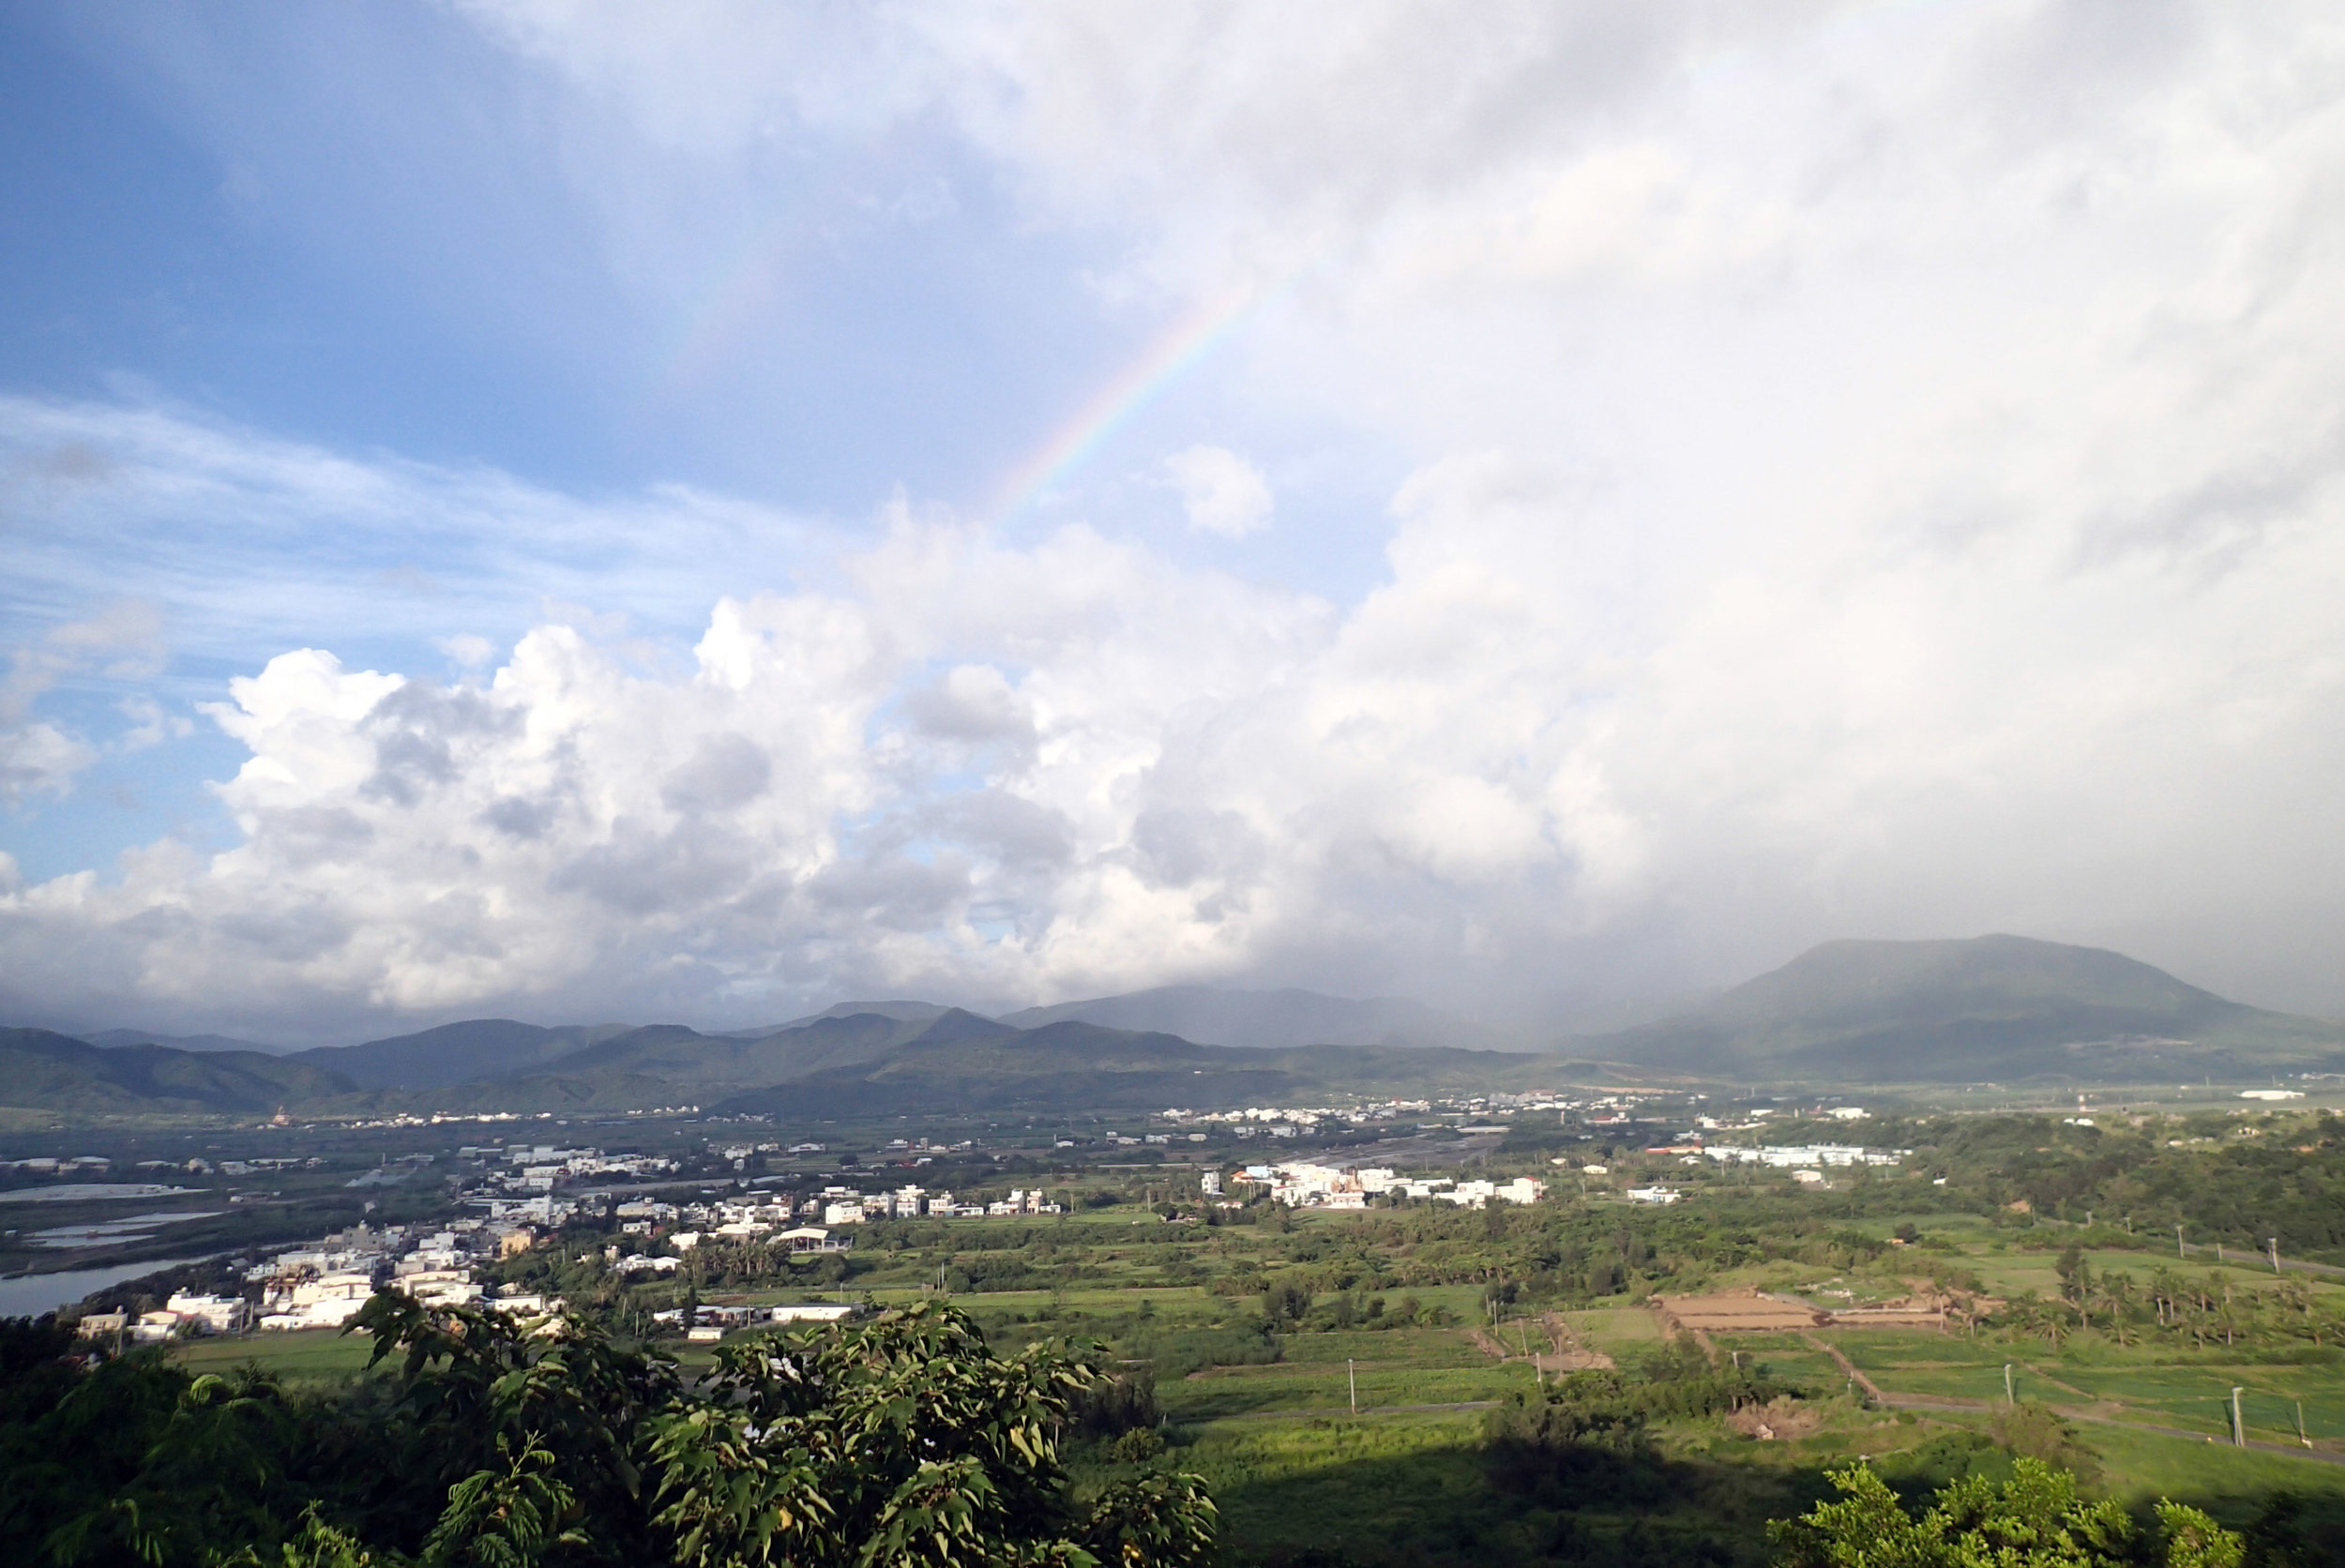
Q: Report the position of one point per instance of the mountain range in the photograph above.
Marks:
(1984, 1009)
(869, 1063)
(41, 1069)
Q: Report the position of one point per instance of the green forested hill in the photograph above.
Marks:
(964, 1061)
(45, 1070)
(452, 1053)
(1989, 1007)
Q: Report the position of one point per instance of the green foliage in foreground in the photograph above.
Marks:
(2035, 1520)
(503, 1445)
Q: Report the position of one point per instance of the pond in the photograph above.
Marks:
(92, 1192)
(30, 1295)
(112, 1232)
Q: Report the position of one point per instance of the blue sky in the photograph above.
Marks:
(353, 228)
(514, 506)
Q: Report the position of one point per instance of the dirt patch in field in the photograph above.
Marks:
(1737, 1312)
(1777, 1421)
(1756, 1312)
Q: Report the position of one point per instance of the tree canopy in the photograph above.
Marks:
(2034, 1520)
(500, 1443)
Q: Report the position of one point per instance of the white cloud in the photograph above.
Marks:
(151, 725)
(255, 540)
(1221, 492)
(467, 650)
(38, 757)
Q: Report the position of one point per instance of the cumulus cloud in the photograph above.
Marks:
(1004, 773)
(1221, 492)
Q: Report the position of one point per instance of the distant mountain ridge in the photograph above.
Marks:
(902, 1011)
(964, 1062)
(1970, 1010)
(115, 1038)
(1263, 1019)
(453, 1053)
(1982, 1009)
(40, 1067)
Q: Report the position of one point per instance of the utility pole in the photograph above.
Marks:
(2238, 1427)
(2275, 1243)
(2008, 1397)
(2179, 1250)
(1351, 1376)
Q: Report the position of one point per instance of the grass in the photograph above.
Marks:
(1367, 1487)
(2152, 1384)
(1613, 1330)
(307, 1355)
(2232, 1483)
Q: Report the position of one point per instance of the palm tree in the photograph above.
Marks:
(2166, 1291)
(2116, 1294)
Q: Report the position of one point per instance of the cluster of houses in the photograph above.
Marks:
(1794, 1155)
(846, 1206)
(1304, 1185)
(710, 1323)
(184, 1313)
(1288, 1121)
(536, 1168)
(322, 1284)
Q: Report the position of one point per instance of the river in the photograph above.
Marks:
(30, 1295)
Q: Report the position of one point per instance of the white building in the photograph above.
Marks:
(636, 1262)
(1522, 1189)
(811, 1312)
(1655, 1195)
(327, 1301)
(1788, 1155)
(213, 1314)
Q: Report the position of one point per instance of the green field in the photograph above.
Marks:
(310, 1355)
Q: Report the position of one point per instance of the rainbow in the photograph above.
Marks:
(1184, 344)
(737, 293)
